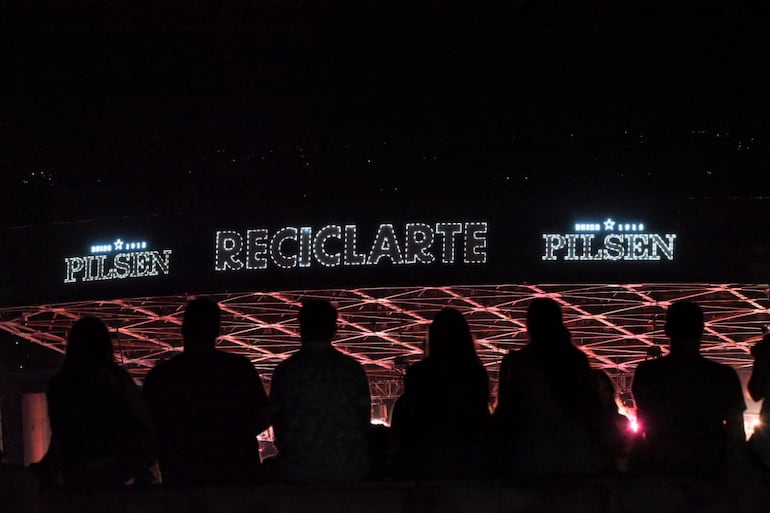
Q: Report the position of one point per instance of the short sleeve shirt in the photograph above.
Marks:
(321, 409)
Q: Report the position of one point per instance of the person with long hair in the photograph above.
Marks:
(101, 435)
(548, 410)
(442, 421)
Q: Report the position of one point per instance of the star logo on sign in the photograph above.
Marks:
(118, 245)
(609, 225)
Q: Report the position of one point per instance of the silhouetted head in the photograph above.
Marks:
(545, 321)
(200, 327)
(684, 326)
(89, 343)
(449, 337)
(317, 321)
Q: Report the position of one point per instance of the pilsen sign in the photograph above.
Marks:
(117, 260)
(621, 241)
(337, 245)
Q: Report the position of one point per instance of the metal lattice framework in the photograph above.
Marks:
(384, 328)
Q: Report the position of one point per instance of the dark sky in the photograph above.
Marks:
(184, 98)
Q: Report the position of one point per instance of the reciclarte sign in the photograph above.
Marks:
(337, 245)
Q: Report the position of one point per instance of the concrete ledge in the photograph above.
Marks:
(610, 495)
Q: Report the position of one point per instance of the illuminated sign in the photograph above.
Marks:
(609, 240)
(338, 245)
(117, 260)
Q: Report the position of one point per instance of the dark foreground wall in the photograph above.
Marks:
(643, 495)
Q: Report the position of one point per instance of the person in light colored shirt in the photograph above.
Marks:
(320, 406)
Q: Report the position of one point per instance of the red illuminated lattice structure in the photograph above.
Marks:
(384, 328)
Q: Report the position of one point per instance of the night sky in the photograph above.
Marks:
(131, 109)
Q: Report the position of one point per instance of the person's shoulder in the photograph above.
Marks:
(649, 368)
(162, 369)
(118, 370)
(235, 360)
(520, 356)
(239, 366)
(417, 367)
(120, 374)
(512, 355)
(294, 359)
(654, 365)
(347, 360)
(416, 372)
(719, 369)
(287, 366)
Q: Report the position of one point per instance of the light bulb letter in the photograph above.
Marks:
(228, 248)
(75, 266)
(276, 247)
(351, 256)
(385, 245)
(666, 247)
(553, 243)
(476, 243)
(160, 263)
(305, 246)
(256, 249)
(419, 239)
(448, 231)
(319, 245)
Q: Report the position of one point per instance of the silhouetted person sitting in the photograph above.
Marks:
(101, 434)
(321, 406)
(208, 406)
(442, 421)
(690, 409)
(549, 413)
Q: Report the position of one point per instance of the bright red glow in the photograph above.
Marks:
(633, 421)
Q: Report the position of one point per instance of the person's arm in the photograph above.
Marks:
(481, 385)
(262, 417)
(139, 411)
(760, 372)
(736, 434)
(504, 385)
(276, 403)
(150, 393)
(639, 389)
(364, 400)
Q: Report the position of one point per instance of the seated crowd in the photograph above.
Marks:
(196, 420)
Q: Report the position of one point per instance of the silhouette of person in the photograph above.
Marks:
(101, 433)
(321, 406)
(442, 421)
(690, 409)
(208, 407)
(759, 389)
(549, 413)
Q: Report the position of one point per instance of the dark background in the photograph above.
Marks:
(122, 109)
(717, 242)
(180, 118)
(170, 117)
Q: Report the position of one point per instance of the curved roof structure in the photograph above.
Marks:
(384, 328)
